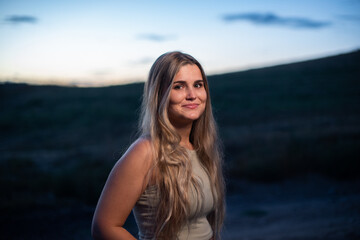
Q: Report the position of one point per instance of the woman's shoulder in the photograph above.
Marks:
(141, 146)
(139, 152)
(136, 161)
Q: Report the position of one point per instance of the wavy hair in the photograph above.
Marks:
(174, 176)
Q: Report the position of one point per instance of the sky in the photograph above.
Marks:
(107, 42)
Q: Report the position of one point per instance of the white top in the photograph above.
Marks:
(197, 227)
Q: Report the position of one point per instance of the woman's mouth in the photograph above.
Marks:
(191, 106)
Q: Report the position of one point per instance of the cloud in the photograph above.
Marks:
(355, 18)
(19, 19)
(272, 19)
(155, 37)
(145, 60)
(142, 61)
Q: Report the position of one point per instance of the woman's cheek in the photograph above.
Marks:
(177, 98)
(204, 95)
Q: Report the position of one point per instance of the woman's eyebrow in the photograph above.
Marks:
(180, 81)
(196, 81)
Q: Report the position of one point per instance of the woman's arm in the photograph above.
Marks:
(123, 187)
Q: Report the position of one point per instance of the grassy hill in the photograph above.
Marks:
(275, 122)
(291, 119)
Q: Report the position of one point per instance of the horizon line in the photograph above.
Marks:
(89, 84)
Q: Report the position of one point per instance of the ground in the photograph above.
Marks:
(303, 208)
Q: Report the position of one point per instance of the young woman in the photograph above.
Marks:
(171, 176)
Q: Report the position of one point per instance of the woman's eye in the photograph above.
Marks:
(176, 87)
(198, 85)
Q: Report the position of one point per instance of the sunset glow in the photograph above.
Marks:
(96, 43)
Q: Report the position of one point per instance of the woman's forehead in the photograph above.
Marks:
(188, 72)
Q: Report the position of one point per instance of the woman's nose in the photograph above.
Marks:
(190, 94)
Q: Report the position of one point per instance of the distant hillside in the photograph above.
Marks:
(275, 123)
(349, 61)
(299, 117)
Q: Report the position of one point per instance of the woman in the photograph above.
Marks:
(171, 176)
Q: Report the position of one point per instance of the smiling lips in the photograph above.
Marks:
(191, 106)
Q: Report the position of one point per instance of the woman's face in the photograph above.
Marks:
(188, 96)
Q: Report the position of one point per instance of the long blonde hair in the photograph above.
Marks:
(171, 160)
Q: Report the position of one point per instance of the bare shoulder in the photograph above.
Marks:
(137, 159)
(142, 146)
(141, 150)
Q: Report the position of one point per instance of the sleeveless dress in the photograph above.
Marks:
(197, 227)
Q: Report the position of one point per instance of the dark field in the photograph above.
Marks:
(291, 136)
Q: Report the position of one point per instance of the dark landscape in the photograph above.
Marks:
(291, 137)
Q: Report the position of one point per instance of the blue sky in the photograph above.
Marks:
(94, 43)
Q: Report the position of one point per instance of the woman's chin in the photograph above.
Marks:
(192, 118)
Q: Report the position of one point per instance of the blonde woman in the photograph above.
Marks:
(171, 176)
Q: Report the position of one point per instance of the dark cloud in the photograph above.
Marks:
(155, 37)
(19, 19)
(272, 19)
(350, 17)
